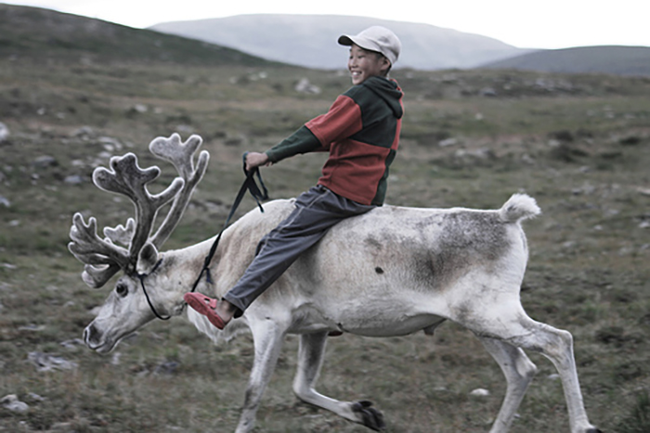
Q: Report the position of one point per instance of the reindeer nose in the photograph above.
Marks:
(88, 333)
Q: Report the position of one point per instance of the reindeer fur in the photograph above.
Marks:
(393, 271)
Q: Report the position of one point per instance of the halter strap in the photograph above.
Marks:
(141, 277)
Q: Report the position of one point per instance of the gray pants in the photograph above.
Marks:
(316, 211)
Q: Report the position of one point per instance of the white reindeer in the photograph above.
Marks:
(393, 271)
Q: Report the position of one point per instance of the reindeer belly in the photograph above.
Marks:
(371, 318)
(389, 324)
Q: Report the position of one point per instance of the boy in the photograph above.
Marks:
(361, 132)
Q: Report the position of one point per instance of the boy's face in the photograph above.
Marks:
(364, 64)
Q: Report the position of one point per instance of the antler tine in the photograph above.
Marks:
(181, 156)
(127, 178)
(121, 234)
(102, 258)
(97, 276)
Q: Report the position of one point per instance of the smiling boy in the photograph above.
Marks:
(361, 133)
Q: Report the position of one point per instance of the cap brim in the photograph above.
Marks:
(360, 41)
(345, 40)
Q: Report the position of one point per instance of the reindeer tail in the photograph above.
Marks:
(519, 207)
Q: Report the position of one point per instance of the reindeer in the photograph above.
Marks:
(391, 272)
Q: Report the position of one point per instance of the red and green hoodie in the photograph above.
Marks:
(361, 133)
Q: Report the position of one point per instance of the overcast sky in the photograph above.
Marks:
(524, 24)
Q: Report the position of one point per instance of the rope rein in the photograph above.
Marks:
(259, 193)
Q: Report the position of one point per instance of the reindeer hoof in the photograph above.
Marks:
(593, 430)
(372, 418)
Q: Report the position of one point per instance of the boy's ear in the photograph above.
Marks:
(386, 64)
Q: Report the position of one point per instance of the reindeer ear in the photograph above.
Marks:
(147, 258)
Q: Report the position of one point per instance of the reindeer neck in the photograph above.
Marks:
(182, 268)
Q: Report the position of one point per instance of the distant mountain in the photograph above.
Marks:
(44, 35)
(618, 60)
(310, 40)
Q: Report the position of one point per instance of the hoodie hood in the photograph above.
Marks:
(389, 91)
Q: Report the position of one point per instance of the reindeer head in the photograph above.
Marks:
(133, 248)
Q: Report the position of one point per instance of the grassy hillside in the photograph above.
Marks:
(46, 36)
(580, 144)
(618, 60)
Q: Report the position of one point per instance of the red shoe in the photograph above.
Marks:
(205, 305)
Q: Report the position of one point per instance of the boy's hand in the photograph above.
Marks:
(256, 159)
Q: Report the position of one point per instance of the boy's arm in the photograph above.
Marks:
(301, 141)
(341, 121)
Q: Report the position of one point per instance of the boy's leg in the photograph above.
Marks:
(316, 211)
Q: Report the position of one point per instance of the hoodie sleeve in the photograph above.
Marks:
(341, 121)
(301, 141)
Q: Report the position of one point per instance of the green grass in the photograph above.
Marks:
(583, 155)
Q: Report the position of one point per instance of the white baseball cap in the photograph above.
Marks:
(376, 38)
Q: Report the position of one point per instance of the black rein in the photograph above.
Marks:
(259, 193)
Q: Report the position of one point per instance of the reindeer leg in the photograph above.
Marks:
(519, 330)
(557, 345)
(310, 360)
(267, 337)
(519, 372)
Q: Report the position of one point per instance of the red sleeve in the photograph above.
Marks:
(341, 121)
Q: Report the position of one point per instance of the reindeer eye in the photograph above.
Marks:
(121, 290)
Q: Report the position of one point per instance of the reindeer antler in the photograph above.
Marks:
(103, 258)
(179, 154)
